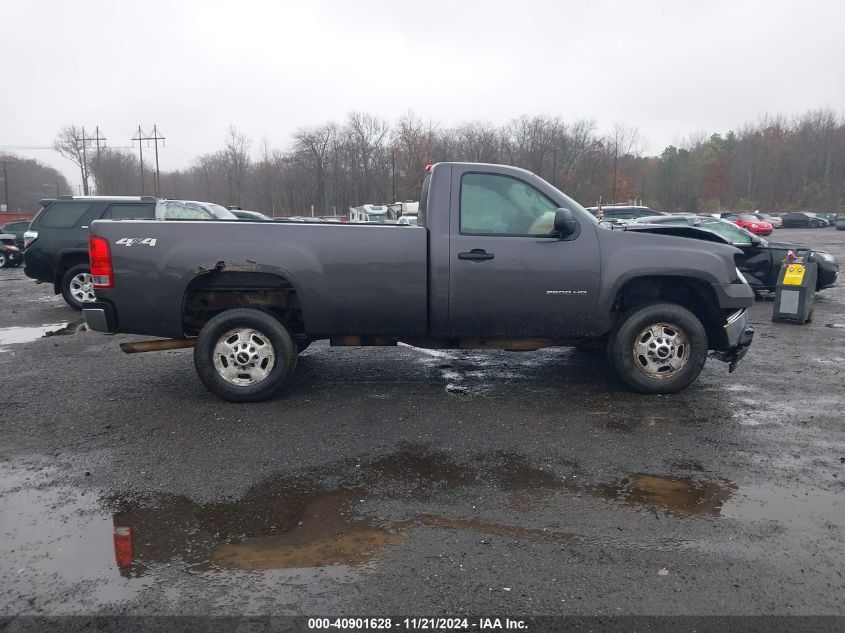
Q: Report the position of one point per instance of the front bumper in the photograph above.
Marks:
(100, 316)
(738, 336)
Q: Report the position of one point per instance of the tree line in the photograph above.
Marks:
(777, 163)
(25, 181)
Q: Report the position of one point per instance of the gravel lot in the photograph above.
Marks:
(400, 480)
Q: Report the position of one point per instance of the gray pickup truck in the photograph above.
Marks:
(499, 259)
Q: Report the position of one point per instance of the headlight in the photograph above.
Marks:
(753, 226)
(741, 277)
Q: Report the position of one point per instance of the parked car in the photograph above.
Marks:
(620, 214)
(510, 263)
(56, 243)
(10, 254)
(774, 220)
(761, 259)
(802, 220)
(830, 217)
(17, 228)
(749, 222)
(243, 214)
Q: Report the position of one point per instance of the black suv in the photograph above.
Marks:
(57, 240)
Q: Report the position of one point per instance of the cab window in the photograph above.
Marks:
(129, 212)
(493, 204)
(180, 211)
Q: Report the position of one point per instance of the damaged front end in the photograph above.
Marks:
(738, 334)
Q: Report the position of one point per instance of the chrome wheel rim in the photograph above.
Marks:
(661, 350)
(82, 287)
(244, 357)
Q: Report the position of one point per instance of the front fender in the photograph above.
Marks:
(629, 255)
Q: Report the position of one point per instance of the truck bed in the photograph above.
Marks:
(349, 279)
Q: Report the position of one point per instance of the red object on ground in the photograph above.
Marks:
(123, 546)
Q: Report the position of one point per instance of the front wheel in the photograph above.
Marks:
(4, 260)
(658, 348)
(244, 355)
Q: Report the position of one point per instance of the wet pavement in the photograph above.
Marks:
(412, 481)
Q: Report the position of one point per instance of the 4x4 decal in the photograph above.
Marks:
(141, 241)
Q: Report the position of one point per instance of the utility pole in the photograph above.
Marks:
(99, 174)
(393, 172)
(155, 138)
(6, 186)
(84, 162)
(140, 138)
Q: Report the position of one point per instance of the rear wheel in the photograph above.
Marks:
(244, 355)
(4, 261)
(78, 286)
(658, 348)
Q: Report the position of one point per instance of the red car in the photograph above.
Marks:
(749, 223)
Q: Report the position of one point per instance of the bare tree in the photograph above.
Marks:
(69, 144)
(623, 140)
(311, 149)
(236, 157)
(367, 134)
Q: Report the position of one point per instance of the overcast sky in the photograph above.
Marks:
(668, 68)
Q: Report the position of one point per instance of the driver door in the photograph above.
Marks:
(510, 275)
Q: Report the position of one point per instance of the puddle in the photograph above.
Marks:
(277, 525)
(55, 542)
(495, 529)
(799, 508)
(14, 335)
(324, 535)
(678, 495)
(62, 539)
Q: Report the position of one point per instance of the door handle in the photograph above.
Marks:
(476, 254)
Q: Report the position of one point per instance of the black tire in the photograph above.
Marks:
(688, 347)
(4, 260)
(270, 329)
(69, 294)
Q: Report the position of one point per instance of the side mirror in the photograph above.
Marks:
(565, 224)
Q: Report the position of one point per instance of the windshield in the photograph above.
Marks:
(748, 217)
(221, 213)
(730, 232)
(376, 217)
